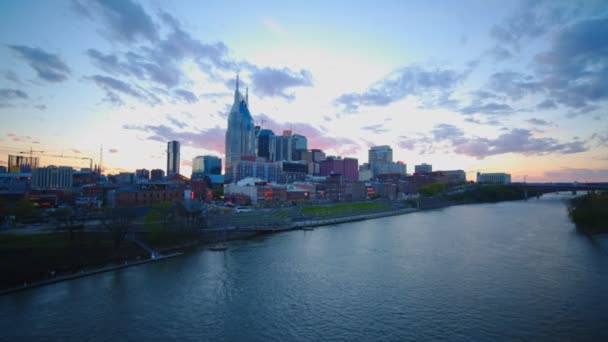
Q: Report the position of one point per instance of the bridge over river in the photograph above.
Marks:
(557, 187)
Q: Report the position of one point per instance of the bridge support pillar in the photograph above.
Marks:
(526, 194)
(574, 192)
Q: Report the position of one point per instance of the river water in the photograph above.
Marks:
(506, 271)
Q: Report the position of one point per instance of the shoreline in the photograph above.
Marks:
(88, 273)
(240, 234)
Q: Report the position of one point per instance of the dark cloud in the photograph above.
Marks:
(49, 67)
(115, 84)
(274, 82)
(10, 75)
(513, 85)
(112, 85)
(185, 95)
(378, 128)
(125, 20)
(515, 141)
(539, 122)
(177, 123)
(160, 61)
(512, 141)
(575, 69)
(212, 139)
(490, 109)
(12, 94)
(413, 80)
(546, 104)
(447, 132)
(489, 122)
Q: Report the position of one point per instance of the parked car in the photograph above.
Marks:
(243, 210)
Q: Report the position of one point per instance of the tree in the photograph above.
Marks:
(25, 208)
(118, 221)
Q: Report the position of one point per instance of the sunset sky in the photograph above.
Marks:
(490, 86)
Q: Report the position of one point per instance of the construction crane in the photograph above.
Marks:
(60, 156)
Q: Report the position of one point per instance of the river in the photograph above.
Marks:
(505, 271)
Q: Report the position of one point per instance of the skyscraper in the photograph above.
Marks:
(288, 146)
(380, 158)
(209, 165)
(264, 143)
(172, 158)
(240, 135)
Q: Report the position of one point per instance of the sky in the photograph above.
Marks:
(483, 86)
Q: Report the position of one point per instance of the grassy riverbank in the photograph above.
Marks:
(27, 258)
(590, 213)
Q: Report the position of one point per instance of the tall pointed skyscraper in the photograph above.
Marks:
(240, 136)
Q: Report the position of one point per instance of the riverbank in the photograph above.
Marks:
(590, 213)
(170, 245)
(85, 273)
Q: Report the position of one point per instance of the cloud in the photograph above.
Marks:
(575, 69)
(212, 139)
(490, 122)
(160, 61)
(125, 20)
(12, 94)
(112, 85)
(10, 75)
(40, 107)
(488, 109)
(379, 128)
(274, 82)
(539, 122)
(513, 85)
(185, 95)
(49, 67)
(177, 123)
(513, 141)
(546, 104)
(412, 80)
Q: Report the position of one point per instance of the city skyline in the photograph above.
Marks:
(518, 87)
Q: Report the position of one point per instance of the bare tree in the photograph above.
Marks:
(117, 222)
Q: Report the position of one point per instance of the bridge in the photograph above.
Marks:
(564, 186)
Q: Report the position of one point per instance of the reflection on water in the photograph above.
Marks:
(516, 270)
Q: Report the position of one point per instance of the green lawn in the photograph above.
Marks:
(342, 208)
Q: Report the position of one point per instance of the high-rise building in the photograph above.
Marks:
(382, 153)
(380, 159)
(142, 175)
(208, 165)
(313, 158)
(288, 147)
(240, 135)
(52, 177)
(264, 143)
(423, 168)
(347, 167)
(172, 158)
(22, 164)
(157, 175)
